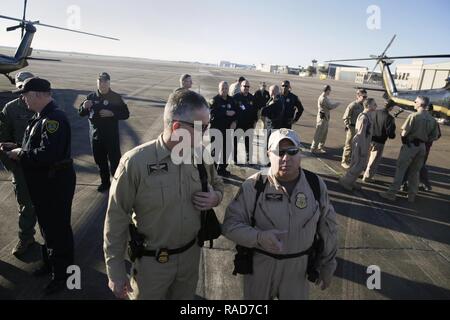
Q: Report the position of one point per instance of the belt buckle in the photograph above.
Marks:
(162, 255)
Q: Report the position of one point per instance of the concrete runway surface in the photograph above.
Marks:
(410, 243)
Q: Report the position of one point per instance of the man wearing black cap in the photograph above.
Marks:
(13, 121)
(104, 108)
(45, 157)
(293, 107)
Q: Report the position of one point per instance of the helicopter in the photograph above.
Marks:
(23, 53)
(439, 98)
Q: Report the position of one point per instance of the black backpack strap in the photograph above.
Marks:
(203, 176)
(313, 181)
(260, 185)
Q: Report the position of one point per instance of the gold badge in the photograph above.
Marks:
(301, 201)
(52, 126)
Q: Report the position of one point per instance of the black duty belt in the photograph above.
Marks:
(284, 256)
(162, 255)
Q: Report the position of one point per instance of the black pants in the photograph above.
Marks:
(247, 142)
(223, 164)
(52, 199)
(104, 150)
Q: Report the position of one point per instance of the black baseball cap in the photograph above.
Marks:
(104, 76)
(34, 84)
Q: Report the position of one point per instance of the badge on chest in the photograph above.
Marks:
(301, 201)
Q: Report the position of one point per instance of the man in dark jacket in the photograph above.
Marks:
(262, 96)
(383, 129)
(274, 111)
(223, 116)
(104, 108)
(293, 107)
(248, 113)
(45, 157)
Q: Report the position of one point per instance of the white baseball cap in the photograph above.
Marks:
(282, 134)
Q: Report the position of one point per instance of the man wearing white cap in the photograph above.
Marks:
(280, 217)
(13, 121)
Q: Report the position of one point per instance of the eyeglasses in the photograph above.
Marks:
(246, 86)
(290, 151)
(192, 125)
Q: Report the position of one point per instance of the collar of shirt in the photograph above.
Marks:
(47, 109)
(162, 151)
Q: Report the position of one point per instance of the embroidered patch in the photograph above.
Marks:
(52, 126)
(301, 201)
(157, 167)
(274, 197)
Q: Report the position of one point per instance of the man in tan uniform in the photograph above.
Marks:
(323, 118)
(419, 128)
(350, 116)
(361, 144)
(165, 199)
(383, 128)
(287, 217)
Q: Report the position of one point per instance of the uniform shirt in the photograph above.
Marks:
(324, 106)
(363, 135)
(421, 125)
(14, 120)
(219, 107)
(107, 127)
(352, 112)
(261, 98)
(383, 126)
(158, 192)
(274, 111)
(293, 107)
(298, 214)
(248, 112)
(46, 140)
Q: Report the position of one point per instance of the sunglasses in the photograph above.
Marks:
(204, 126)
(246, 86)
(290, 151)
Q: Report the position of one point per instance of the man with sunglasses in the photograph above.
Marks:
(350, 116)
(287, 217)
(157, 187)
(248, 114)
(293, 106)
(13, 121)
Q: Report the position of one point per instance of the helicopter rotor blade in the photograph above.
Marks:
(60, 28)
(77, 31)
(431, 56)
(381, 57)
(388, 46)
(11, 18)
(23, 17)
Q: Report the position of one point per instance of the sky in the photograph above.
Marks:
(290, 32)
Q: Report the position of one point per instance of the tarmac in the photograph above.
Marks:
(410, 243)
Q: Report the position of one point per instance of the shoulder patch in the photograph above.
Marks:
(52, 126)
